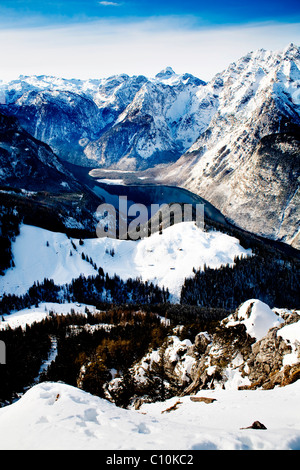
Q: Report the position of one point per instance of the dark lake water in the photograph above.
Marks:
(155, 194)
(148, 194)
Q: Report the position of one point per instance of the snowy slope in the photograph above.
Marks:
(28, 316)
(163, 259)
(34, 260)
(58, 416)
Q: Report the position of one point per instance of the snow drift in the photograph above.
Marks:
(257, 317)
(58, 416)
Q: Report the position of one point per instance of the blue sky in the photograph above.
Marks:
(209, 12)
(94, 38)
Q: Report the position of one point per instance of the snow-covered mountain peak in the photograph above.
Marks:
(256, 97)
(168, 77)
(291, 51)
(258, 61)
(165, 73)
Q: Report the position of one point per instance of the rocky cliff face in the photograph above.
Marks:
(246, 162)
(255, 347)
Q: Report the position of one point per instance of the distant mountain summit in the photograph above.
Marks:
(129, 122)
(165, 73)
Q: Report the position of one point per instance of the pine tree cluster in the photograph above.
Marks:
(93, 290)
(271, 280)
(9, 229)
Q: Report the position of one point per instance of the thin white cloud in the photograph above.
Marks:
(109, 4)
(103, 48)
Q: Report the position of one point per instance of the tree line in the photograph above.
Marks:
(100, 350)
(97, 290)
(271, 280)
(9, 229)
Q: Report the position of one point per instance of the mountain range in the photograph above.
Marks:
(234, 140)
(104, 333)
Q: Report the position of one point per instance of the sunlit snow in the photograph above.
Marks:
(166, 260)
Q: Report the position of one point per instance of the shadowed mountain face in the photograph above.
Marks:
(37, 185)
(28, 163)
(128, 122)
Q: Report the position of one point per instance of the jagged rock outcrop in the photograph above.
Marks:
(256, 347)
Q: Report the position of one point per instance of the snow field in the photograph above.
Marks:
(58, 416)
(166, 260)
(27, 316)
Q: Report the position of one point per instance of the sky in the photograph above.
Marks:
(96, 39)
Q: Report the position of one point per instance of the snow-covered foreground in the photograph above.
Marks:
(163, 259)
(58, 416)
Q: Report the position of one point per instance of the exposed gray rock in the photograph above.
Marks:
(234, 141)
(266, 358)
(247, 160)
(256, 425)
